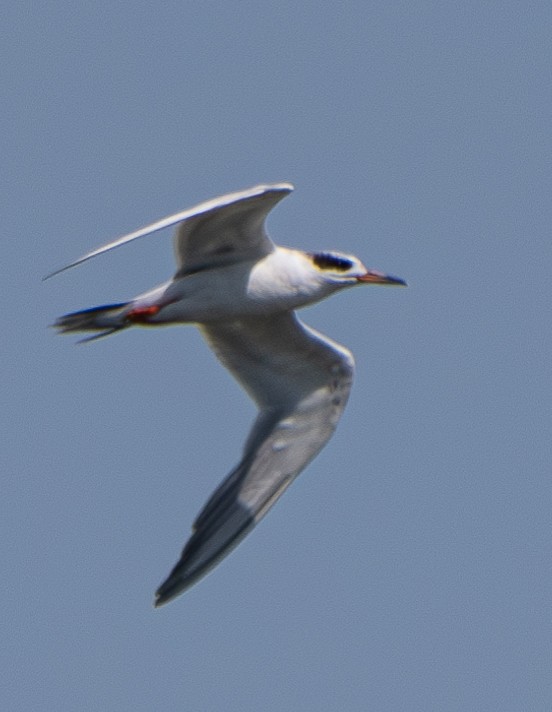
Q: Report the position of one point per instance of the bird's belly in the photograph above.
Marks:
(216, 306)
(241, 290)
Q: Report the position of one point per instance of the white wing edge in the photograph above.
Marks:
(204, 207)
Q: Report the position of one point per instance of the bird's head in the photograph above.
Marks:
(346, 270)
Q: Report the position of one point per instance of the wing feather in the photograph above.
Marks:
(206, 220)
(229, 231)
(301, 381)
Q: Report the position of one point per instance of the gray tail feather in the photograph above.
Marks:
(103, 320)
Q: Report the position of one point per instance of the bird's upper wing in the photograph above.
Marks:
(214, 232)
(301, 382)
(227, 229)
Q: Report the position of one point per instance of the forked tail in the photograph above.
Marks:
(103, 320)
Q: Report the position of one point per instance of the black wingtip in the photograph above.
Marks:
(217, 537)
(55, 272)
(173, 586)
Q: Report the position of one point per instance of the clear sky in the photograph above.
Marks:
(409, 568)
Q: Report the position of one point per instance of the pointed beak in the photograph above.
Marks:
(373, 277)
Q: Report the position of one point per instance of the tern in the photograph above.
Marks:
(241, 291)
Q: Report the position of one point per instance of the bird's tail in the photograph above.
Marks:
(102, 320)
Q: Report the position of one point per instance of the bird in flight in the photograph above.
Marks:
(241, 291)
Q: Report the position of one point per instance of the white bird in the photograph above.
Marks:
(241, 290)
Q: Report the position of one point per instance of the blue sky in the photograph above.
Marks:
(409, 567)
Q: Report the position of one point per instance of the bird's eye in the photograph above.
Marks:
(329, 261)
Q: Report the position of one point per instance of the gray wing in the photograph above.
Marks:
(228, 229)
(301, 382)
(202, 229)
